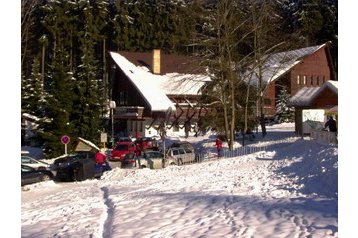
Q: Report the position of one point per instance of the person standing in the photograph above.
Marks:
(331, 124)
(101, 160)
(219, 145)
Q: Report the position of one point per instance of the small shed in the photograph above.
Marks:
(324, 97)
(85, 145)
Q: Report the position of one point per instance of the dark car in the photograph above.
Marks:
(77, 167)
(121, 149)
(147, 143)
(30, 175)
(129, 161)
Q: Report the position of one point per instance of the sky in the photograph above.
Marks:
(289, 189)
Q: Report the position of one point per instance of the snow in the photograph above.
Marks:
(288, 190)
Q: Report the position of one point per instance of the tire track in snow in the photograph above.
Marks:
(107, 225)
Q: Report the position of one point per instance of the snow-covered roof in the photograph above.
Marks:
(306, 95)
(183, 84)
(155, 88)
(278, 64)
(148, 84)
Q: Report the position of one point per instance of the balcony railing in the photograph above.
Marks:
(128, 112)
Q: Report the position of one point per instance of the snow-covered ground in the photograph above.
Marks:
(288, 190)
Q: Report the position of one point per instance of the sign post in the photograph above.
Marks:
(65, 140)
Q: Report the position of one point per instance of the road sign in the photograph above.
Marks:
(65, 140)
(103, 137)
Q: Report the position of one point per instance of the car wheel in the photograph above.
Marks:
(45, 177)
(143, 166)
(172, 164)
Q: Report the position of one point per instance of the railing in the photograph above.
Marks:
(128, 112)
(225, 153)
(324, 136)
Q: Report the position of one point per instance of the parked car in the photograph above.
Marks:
(123, 139)
(147, 143)
(152, 160)
(128, 161)
(77, 167)
(148, 159)
(34, 163)
(121, 149)
(184, 144)
(188, 147)
(31, 175)
(179, 156)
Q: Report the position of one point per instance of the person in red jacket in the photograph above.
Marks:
(219, 145)
(101, 159)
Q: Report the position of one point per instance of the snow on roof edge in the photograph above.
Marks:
(150, 88)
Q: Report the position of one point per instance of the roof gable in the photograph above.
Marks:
(146, 83)
(276, 65)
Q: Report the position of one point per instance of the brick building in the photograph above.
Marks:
(305, 67)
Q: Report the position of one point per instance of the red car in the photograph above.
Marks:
(147, 143)
(121, 149)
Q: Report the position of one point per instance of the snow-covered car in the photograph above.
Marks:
(34, 163)
(30, 175)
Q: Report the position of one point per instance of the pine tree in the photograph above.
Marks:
(283, 111)
(31, 90)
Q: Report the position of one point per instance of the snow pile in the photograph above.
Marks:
(289, 190)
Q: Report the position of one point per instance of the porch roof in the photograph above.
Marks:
(306, 95)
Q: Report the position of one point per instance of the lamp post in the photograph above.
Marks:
(112, 105)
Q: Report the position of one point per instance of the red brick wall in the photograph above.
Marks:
(326, 99)
(269, 96)
(311, 72)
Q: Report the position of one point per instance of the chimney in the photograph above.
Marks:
(156, 61)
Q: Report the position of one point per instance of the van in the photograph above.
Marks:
(179, 156)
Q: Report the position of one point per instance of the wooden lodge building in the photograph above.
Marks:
(153, 89)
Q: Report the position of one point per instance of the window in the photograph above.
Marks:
(123, 98)
(267, 101)
(317, 80)
(304, 79)
(298, 80)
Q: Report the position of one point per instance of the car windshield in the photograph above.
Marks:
(25, 159)
(26, 168)
(122, 147)
(154, 154)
